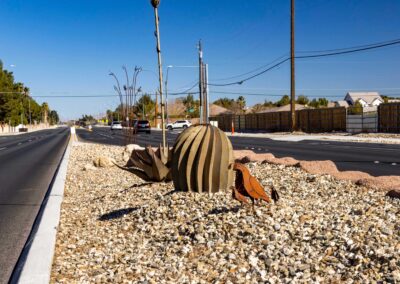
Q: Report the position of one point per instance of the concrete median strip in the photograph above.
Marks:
(37, 266)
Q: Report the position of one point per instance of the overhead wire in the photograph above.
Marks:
(321, 54)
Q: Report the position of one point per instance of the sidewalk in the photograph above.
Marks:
(29, 131)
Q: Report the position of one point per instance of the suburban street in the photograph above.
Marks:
(28, 164)
(375, 159)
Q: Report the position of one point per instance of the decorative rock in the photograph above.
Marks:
(394, 193)
(103, 162)
(89, 167)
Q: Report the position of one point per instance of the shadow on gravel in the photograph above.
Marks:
(117, 214)
(172, 192)
(222, 210)
(136, 185)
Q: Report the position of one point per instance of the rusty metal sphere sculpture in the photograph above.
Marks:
(202, 160)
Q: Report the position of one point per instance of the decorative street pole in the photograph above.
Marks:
(155, 4)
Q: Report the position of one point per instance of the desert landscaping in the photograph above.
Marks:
(332, 227)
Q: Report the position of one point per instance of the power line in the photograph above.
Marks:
(279, 95)
(347, 48)
(350, 51)
(186, 91)
(321, 54)
(254, 70)
(253, 76)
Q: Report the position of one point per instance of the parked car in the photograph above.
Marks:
(116, 125)
(179, 124)
(142, 126)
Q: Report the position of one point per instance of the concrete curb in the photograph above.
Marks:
(297, 138)
(37, 266)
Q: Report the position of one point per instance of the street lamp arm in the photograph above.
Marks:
(116, 79)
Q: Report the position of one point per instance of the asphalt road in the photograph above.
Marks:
(375, 159)
(28, 163)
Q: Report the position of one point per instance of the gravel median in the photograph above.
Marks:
(116, 228)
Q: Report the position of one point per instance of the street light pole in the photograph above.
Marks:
(155, 4)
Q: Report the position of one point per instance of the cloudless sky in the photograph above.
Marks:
(67, 48)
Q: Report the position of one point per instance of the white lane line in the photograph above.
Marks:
(394, 164)
(19, 143)
(108, 136)
(376, 162)
(3, 148)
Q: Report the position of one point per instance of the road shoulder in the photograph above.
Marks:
(39, 256)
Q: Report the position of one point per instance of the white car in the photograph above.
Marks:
(179, 124)
(116, 125)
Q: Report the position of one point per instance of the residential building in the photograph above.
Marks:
(366, 99)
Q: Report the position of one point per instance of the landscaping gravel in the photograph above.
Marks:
(116, 228)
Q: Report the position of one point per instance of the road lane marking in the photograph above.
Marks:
(3, 148)
(19, 143)
(394, 164)
(376, 162)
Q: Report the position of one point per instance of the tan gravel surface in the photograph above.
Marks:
(115, 228)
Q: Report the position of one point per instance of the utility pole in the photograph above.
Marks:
(207, 94)
(156, 110)
(201, 80)
(292, 71)
(155, 4)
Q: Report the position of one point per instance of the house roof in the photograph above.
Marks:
(342, 103)
(217, 110)
(368, 97)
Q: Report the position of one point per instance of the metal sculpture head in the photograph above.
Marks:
(150, 165)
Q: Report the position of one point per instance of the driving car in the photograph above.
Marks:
(179, 124)
(116, 125)
(142, 126)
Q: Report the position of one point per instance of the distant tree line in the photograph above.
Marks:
(239, 105)
(16, 106)
(145, 108)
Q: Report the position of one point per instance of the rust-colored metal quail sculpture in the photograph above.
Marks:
(247, 186)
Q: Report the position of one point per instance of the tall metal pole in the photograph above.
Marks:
(292, 71)
(201, 80)
(207, 95)
(166, 93)
(155, 4)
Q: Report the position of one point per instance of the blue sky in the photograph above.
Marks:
(67, 48)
